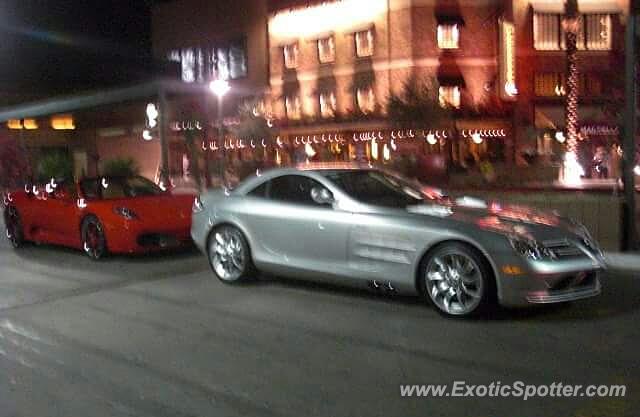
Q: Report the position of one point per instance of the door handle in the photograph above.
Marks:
(320, 226)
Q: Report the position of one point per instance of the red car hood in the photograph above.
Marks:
(161, 209)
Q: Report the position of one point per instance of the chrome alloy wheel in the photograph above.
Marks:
(454, 282)
(227, 254)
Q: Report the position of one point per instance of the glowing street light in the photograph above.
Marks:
(219, 87)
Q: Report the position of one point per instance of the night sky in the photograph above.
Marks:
(63, 46)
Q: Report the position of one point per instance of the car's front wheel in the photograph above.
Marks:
(229, 255)
(94, 242)
(457, 279)
(13, 225)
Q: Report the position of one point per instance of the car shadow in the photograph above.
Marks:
(51, 254)
(620, 296)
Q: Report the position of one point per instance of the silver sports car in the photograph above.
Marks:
(372, 228)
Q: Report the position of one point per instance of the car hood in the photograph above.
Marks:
(160, 207)
(507, 219)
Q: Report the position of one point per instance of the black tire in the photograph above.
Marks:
(94, 242)
(229, 255)
(461, 274)
(14, 228)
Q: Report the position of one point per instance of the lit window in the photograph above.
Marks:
(327, 104)
(366, 99)
(364, 43)
(448, 36)
(546, 32)
(291, 56)
(449, 96)
(222, 65)
(188, 60)
(237, 62)
(204, 64)
(326, 50)
(63, 122)
(550, 84)
(293, 107)
(594, 32)
(598, 28)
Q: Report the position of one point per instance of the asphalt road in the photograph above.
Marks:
(158, 336)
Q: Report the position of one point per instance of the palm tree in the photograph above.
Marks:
(571, 24)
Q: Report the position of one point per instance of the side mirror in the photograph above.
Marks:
(322, 196)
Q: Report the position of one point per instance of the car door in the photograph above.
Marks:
(295, 232)
(62, 215)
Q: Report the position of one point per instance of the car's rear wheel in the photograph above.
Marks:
(457, 280)
(13, 225)
(94, 242)
(229, 255)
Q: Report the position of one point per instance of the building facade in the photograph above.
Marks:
(327, 69)
(318, 76)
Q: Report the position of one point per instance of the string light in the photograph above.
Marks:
(477, 138)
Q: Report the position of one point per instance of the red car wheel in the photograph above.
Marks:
(94, 242)
(14, 228)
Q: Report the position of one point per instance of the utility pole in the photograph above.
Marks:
(630, 125)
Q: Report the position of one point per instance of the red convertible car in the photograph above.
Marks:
(99, 215)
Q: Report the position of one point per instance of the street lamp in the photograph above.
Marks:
(220, 88)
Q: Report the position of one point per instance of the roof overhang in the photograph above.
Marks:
(94, 99)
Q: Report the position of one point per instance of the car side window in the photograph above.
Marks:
(66, 190)
(90, 189)
(260, 191)
(294, 189)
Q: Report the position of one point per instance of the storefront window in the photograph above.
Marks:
(549, 84)
(594, 32)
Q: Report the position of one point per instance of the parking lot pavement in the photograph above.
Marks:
(157, 336)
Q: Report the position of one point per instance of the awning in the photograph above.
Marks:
(451, 81)
(584, 6)
(449, 19)
(99, 98)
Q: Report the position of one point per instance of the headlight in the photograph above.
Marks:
(531, 249)
(126, 213)
(197, 205)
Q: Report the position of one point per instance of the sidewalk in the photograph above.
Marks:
(627, 262)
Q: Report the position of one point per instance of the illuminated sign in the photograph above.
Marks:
(28, 124)
(63, 122)
(508, 89)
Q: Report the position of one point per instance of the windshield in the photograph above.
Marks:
(119, 187)
(376, 188)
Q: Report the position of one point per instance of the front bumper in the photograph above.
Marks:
(136, 237)
(569, 294)
(551, 282)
